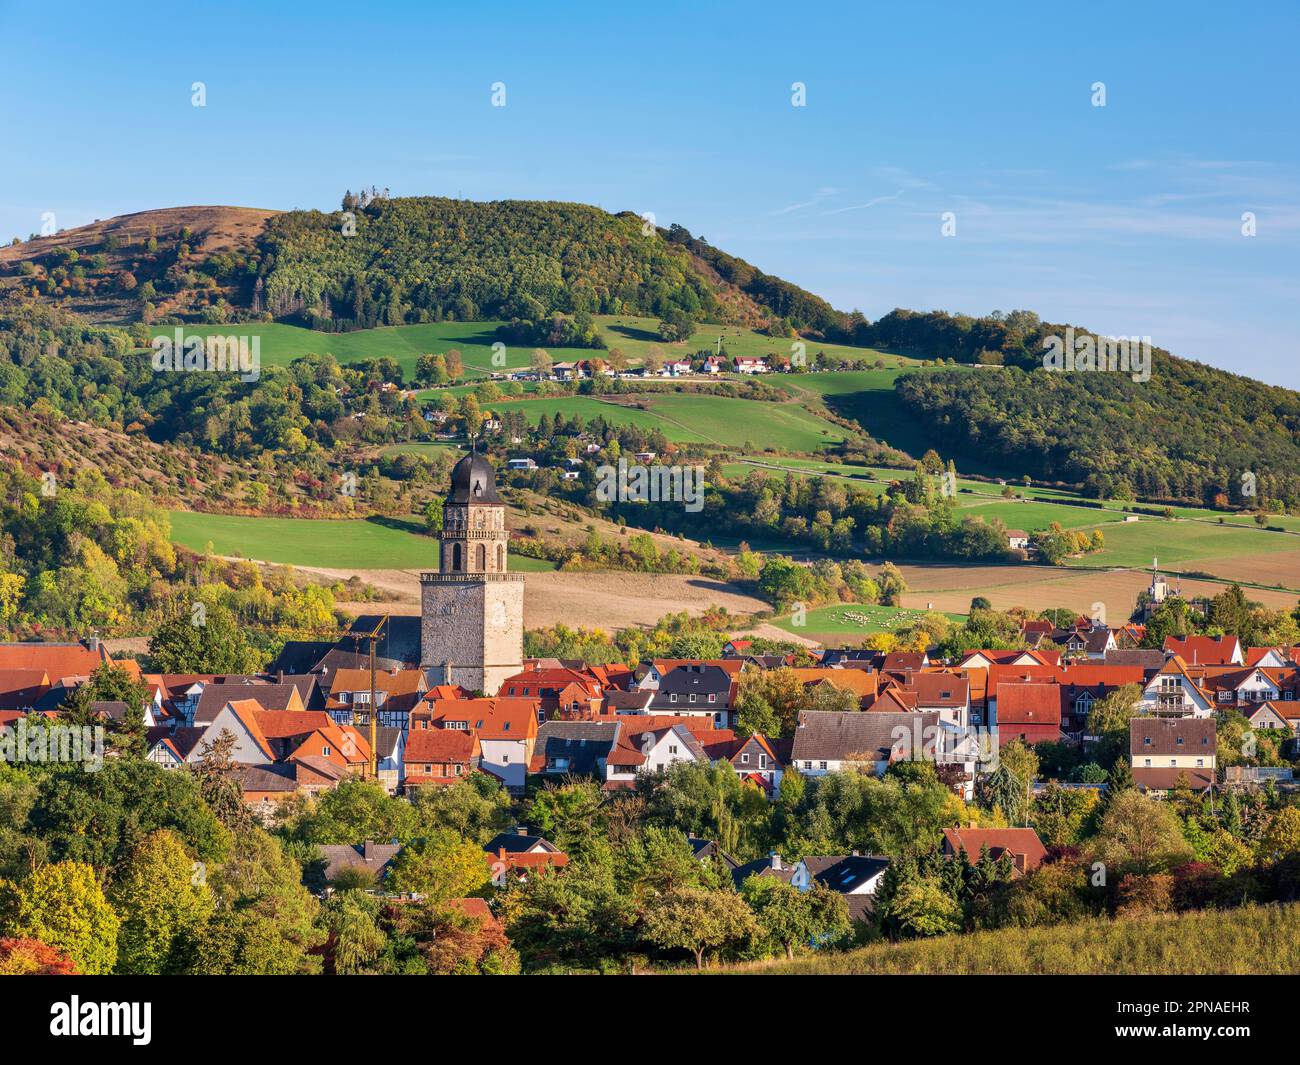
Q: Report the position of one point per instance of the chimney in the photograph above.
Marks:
(776, 861)
(971, 824)
(369, 850)
(521, 830)
(501, 853)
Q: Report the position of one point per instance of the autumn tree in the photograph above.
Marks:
(698, 920)
(442, 866)
(161, 898)
(788, 918)
(1141, 835)
(63, 906)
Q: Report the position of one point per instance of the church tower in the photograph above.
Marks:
(472, 609)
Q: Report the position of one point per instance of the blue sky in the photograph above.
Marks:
(1124, 219)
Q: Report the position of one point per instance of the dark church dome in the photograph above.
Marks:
(473, 481)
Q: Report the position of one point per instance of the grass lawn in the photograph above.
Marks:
(356, 543)
(857, 618)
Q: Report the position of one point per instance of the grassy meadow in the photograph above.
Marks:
(329, 543)
(855, 619)
(1249, 940)
(696, 419)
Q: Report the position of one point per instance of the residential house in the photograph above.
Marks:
(439, 756)
(696, 690)
(827, 741)
(651, 748)
(1206, 650)
(519, 855)
(577, 748)
(397, 693)
(1028, 711)
(1166, 752)
(559, 692)
(505, 728)
(1022, 845)
(375, 859)
(1174, 692)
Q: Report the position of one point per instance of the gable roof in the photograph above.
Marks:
(580, 743)
(1014, 841)
(833, 735)
(1162, 735)
(1205, 650)
(60, 660)
(490, 719)
(844, 872)
(268, 696)
(372, 857)
(440, 745)
(1029, 704)
(519, 843)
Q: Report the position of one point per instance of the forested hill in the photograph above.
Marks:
(428, 258)
(1189, 433)
(380, 260)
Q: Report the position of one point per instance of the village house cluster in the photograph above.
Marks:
(453, 696)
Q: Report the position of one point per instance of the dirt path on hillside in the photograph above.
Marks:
(610, 600)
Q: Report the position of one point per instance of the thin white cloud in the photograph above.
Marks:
(864, 206)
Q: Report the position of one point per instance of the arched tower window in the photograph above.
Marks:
(455, 558)
(501, 558)
(482, 559)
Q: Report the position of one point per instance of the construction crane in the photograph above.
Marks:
(373, 637)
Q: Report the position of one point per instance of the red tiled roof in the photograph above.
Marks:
(490, 719)
(1029, 704)
(440, 745)
(1015, 841)
(58, 659)
(1204, 650)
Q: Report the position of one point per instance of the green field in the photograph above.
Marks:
(867, 396)
(694, 419)
(1033, 517)
(423, 448)
(1178, 541)
(636, 336)
(281, 344)
(856, 618)
(334, 544)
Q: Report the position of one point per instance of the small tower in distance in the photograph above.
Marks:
(1159, 585)
(472, 609)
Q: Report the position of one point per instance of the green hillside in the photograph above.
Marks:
(697, 419)
(343, 544)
